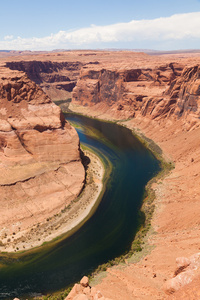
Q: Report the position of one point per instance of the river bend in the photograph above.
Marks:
(107, 234)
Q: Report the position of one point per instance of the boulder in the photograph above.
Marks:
(84, 281)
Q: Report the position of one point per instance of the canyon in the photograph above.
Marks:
(158, 96)
(41, 168)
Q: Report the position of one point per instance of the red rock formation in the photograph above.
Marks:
(56, 78)
(127, 91)
(83, 291)
(185, 92)
(40, 167)
(187, 270)
(158, 93)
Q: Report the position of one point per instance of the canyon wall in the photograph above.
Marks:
(185, 92)
(40, 167)
(159, 93)
(57, 79)
(127, 91)
(107, 85)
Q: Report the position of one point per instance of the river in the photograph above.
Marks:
(107, 234)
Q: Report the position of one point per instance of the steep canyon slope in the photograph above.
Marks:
(167, 92)
(160, 97)
(163, 102)
(57, 79)
(40, 166)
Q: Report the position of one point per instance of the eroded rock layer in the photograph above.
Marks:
(40, 167)
(56, 78)
(159, 93)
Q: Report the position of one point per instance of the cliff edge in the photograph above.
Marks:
(162, 92)
(40, 166)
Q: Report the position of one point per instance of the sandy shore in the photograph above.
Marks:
(69, 218)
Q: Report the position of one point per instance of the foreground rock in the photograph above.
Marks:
(40, 167)
(187, 270)
(83, 291)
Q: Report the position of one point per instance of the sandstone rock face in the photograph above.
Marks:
(158, 93)
(40, 166)
(57, 79)
(127, 92)
(185, 92)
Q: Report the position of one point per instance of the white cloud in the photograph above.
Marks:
(174, 29)
(8, 37)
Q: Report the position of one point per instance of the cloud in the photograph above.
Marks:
(174, 30)
(8, 37)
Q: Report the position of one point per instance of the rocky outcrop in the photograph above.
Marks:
(40, 166)
(83, 291)
(185, 92)
(127, 92)
(57, 79)
(187, 270)
(158, 93)
(97, 86)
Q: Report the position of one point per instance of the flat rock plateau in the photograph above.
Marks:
(158, 96)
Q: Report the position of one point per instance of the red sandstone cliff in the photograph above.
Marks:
(105, 83)
(164, 103)
(185, 92)
(56, 78)
(165, 92)
(40, 167)
(126, 91)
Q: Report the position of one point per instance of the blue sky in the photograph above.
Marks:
(84, 24)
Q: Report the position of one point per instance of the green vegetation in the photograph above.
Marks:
(61, 295)
(60, 102)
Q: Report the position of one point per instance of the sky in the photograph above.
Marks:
(99, 24)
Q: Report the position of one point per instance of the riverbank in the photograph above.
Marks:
(70, 218)
(175, 224)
